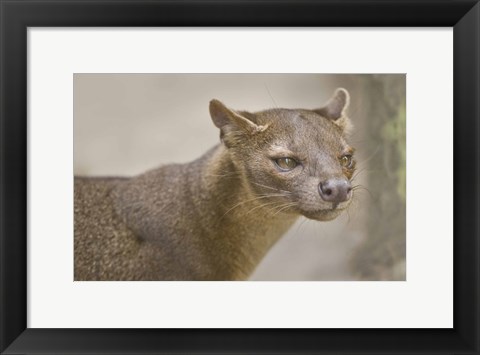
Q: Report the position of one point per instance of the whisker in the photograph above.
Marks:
(348, 215)
(270, 94)
(251, 200)
(284, 207)
(359, 188)
(377, 149)
(269, 187)
(224, 175)
(358, 172)
(261, 206)
(299, 226)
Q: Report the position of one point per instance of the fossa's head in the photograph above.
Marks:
(296, 160)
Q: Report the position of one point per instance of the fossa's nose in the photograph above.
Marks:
(335, 190)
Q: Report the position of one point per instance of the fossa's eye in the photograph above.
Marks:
(286, 164)
(346, 161)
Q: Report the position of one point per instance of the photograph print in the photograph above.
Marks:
(239, 177)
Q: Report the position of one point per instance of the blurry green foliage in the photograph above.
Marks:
(394, 132)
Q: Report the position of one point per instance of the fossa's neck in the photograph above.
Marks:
(246, 224)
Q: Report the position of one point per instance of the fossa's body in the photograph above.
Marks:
(216, 217)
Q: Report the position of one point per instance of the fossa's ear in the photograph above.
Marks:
(227, 119)
(335, 109)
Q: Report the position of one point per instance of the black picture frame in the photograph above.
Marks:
(17, 15)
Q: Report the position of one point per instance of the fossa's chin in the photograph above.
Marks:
(323, 215)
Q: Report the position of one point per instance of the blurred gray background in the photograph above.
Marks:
(125, 124)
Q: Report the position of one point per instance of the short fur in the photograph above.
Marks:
(216, 217)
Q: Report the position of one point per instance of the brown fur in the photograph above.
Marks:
(216, 217)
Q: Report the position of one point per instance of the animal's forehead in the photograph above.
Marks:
(295, 119)
(294, 129)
